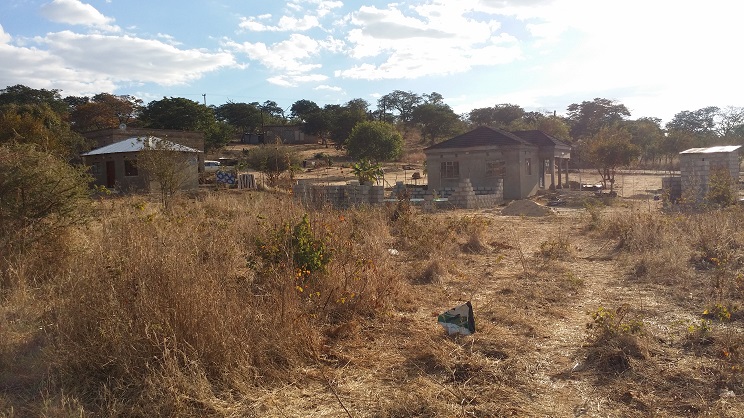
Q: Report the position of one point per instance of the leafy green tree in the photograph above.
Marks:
(402, 102)
(588, 118)
(345, 118)
(218, 135)
(188, 115)
(40, 125)
(40, 195)
(302, 109)
(436, 121)
(244, 117)
(24, 95)
(730, 124)
(376, 141)
(647, 135)
(178, 113)
(554, 126)
(501, 116)
(272, 160)
(609, 149)
(271, 109)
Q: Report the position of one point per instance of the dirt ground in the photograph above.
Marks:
(531, 354)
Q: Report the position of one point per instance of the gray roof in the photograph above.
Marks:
(710, 150)
(136, 144)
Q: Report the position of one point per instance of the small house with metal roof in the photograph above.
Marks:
(697, 166)
(115, 165)
(495, 161)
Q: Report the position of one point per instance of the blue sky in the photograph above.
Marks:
(658, 57)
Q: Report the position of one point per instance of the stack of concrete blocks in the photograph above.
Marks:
(696, 169)
(340, 196)
(464, 196)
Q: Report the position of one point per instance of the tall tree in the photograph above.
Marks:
(402, 102)
(24, 95)
(104, 110)
(647, 135)
(436, 121)
(700, 124)
(178, 113)
(609, 149)
(244, 117)
(40, 125)
(502, 116)
(301, 109)
(375, 141)
(587, 118)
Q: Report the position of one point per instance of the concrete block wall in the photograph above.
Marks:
(465, 196)
(696, 170)
(338, 196)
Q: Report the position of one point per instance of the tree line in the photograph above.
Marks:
(599, 126)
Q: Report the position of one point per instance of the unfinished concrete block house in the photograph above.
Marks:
(513, 163)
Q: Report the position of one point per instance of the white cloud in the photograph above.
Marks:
(295, 80)
(91, 63)
(438, 40)
(75, 12)
(329, 88)
(4, 37)
(304, 15)
(291, 55)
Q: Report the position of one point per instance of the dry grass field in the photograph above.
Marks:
(235, 304)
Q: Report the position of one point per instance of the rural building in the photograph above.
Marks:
(697, 166)
(115, 165)
(103, 137)
(495, 161)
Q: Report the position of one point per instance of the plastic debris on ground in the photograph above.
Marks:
(458, 320)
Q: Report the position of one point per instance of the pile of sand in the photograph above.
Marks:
(525, 208)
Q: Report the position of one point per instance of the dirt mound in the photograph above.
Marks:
(525, 208)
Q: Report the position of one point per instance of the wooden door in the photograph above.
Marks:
(110, 174)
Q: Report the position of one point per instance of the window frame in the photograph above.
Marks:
(450, 169)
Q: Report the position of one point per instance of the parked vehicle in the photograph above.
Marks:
(211, 166)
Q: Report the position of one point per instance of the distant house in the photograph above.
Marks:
(492, 158)
(697, 165)
(287, 134)
(191, 139)
(115, 165)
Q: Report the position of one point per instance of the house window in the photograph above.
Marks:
(450, 169)
(496, 168)
(95, 169)
(528, 166)
(130, 168)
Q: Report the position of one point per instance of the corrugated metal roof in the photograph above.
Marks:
(135, 144)
(710, 150)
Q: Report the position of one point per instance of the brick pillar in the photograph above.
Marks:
(559, 173)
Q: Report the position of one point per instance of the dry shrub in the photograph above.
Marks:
(617, 340)
(558, 248)
(715, 238)
(434, 272)
(475, 244)
(638, 231)
(173, 313)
